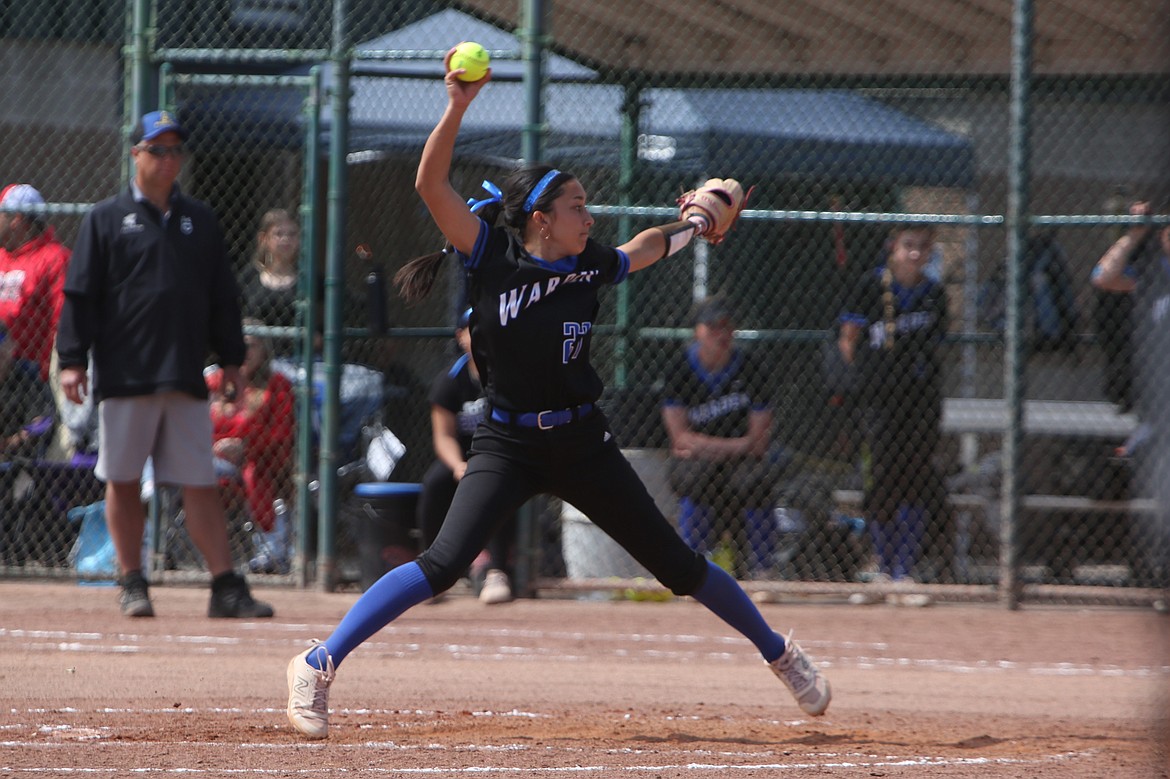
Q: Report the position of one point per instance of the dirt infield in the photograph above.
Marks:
(575, 688)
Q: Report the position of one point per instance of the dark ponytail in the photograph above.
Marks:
(417, 277)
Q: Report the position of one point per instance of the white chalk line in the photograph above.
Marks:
(843, 654)
(831, 761)
(64, 736)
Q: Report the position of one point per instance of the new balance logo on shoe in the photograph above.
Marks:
(803, 680)
(308, 693)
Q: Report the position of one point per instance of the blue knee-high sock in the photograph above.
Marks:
(883, 536)
(694, 525)
(722, 595)
(394, 593)
(761, 529)
(911, 527)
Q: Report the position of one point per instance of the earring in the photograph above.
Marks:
(544, 233)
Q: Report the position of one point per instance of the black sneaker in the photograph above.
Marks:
(135, 598)
(231, 599)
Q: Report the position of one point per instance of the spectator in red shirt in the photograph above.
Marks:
(32, 275)
(254, 430)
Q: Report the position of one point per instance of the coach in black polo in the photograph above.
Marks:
(150, 290)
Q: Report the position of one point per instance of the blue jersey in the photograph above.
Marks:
(532, 321)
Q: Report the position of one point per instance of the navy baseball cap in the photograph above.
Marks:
(154, 124)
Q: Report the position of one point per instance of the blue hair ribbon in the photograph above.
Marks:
(496, 197)
(539, 189)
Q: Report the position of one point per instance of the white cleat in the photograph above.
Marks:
(308, 694)
(496, 588)
(801, 677)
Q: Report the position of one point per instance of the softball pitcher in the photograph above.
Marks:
(534, 284)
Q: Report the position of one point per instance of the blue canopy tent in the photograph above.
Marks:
(749, 133)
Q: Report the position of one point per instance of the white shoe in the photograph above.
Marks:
(904, 595)
(496, 588)
(308, 694)
(802, 678)
(866, 596)
(916, 600)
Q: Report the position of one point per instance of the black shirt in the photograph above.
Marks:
(150, 296)
(532, 321)
(273, 307)
(717, 404)
(456, 390)
(909, 372)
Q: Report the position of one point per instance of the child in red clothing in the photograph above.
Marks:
(253, 429)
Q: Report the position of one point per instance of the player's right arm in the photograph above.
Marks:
(433, 181)
(445, 439)
(1110, 272)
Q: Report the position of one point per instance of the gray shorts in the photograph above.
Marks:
(172, 428)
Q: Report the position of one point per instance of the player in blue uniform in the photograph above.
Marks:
(891, 328)
(719, 419)
(534, 284)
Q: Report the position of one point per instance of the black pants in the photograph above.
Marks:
(902, 444)
(438, 489)
(579, 463)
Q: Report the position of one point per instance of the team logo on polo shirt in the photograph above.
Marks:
(185, 225)
(130, 224)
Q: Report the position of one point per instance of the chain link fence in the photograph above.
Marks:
(866, 301)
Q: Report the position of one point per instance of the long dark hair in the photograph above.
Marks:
(417, 277)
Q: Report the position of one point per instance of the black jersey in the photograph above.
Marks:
(532, 320)
(910, 371)
(717, 404)
(460, 393)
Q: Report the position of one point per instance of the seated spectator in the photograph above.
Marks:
(719, 421)
(32, 276)
(26, 422)
(458, 406)
(253, 430)
(269, 283)
(27, 410)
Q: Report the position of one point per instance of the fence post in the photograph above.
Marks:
(334, 290)
(1019, 178)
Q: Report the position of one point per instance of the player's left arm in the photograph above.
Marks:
(657, 243)
(759, 432)
(709, 211)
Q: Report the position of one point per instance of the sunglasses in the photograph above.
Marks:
(160, 151)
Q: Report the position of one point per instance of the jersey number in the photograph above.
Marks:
(575, 333)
